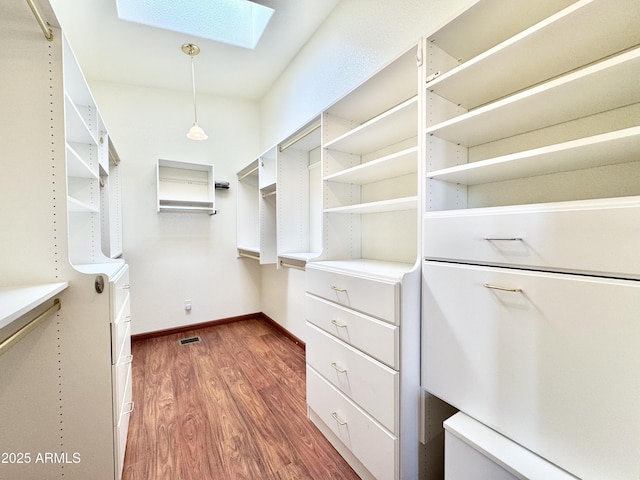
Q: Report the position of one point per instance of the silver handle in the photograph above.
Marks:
(338, 324)
(130, 408)
(504, 289)
(338, 419)
(125, 287)
(338, 289)
(337, 368)
(503, 239)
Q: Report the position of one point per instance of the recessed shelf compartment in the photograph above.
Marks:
(185, 187)
(388, 128)
(76, 165)
(606, 149)
(534, 56)
(560, 100)
(81, 126)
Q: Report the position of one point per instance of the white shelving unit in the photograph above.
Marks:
(299, 207)
(532, 157)
(367, 276)
(256, 209)
(185, 187)
(53, 250)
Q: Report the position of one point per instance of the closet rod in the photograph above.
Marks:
(309, 131)
(48, 33)
(17, 336)
(246, 255)
(248, 173)
(292, 265)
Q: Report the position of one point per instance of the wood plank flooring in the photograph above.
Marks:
(229, 407)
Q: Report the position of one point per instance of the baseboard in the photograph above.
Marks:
(213, 323)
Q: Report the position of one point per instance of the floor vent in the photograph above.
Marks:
(187, 341)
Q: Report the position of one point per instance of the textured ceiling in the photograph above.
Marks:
(114, 50)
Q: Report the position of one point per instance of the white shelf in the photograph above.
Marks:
(77, 167)
(186, 206)
(389, 166)
(605, 149)
(77, 128)
(557, 101)
(384, 206)
(76, 205)
(185, 187)
(110, 269)
(379, 269)
(392, 126)
(300, 256)
(533, 56)
(16, 301)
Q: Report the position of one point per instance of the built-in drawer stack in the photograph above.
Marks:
(531, 296)
(121, 359)
(353, 377)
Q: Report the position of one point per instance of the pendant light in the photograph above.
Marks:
(195, 132)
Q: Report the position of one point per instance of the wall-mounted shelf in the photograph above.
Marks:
(16, 301)
(185, 187)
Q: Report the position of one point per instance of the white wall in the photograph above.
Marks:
(178, 256)
(356, 40)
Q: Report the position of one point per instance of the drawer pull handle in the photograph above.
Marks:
(128, 359)
(126, 287)
(503, 239)
(127, 318)
(129, 409)
(337, 368)
(504, 289)
(338, 419)
(338, 324)
(338, 289)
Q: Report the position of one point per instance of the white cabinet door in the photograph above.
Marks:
(373, 337)
(593, 237)
(370, 384)
(549, 360)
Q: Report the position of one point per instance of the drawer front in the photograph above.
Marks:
(121, 376)
(551, 362)
(582, 237)
(121, 334)
(121, 428)
(374, 297)
(376, 448)
(120, 293)
(373, 337)
(367, 382)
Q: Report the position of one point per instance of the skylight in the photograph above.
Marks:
(237, 22)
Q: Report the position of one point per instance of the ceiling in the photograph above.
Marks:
(114, 50)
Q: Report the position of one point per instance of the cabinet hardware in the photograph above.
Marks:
(338, 289)
(433, 76)
(504, 289)
(503, 239)
(128, 359)
(241, 177)
(338, 419)
(126, 287)
(337, 368)
(127, 318)
(130, 408)
(99, 284)
(338, 324)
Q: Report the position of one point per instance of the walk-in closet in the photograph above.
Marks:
(348, 239)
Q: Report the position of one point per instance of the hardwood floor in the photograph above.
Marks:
(229, 407)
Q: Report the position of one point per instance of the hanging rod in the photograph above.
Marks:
(292, 265)
(265, 195)
(246, 255)
(248, 173)
(308, 131)
(48, 33)
(17, 336)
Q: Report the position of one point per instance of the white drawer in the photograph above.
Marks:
(373, 296)
(553, 365)
(121, 378)
(370, 384)
(121, 334)
(376, 448)
(121, 428)
(120, 293)
(374, 337)
(592, 237)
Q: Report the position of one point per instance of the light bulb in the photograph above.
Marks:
(196, 132)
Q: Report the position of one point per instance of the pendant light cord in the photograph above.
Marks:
(193, 81)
